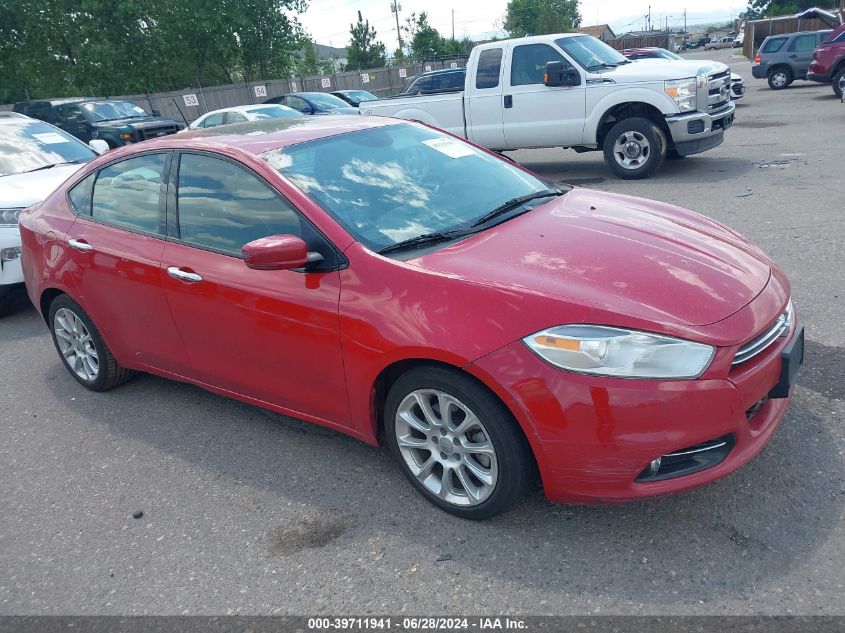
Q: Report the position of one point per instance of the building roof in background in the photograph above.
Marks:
(328, 52)
(596, 30)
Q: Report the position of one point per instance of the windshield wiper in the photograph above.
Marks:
(515, 203)
(51, 165)
(602, 65)
(425, 239)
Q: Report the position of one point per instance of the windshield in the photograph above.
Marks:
(110, 110)
(590, 52)
(29, 144)
(389, 184)
(668, 55)
(327, 101)
(273, 112)
(361, 95)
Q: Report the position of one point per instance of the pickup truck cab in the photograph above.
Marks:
(574, 91)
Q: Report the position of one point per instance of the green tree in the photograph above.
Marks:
(306, 59)
(541, 17)
(771, 8)
(364, 51)
(423, 39)
(460, 47)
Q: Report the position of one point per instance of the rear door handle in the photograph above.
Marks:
(80, 245)
(508, 101)
(184, 275)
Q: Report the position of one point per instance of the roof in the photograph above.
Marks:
(257, 137)
(596, 30)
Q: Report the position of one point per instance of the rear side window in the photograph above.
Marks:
(80, 195)
(127, 194)
(803, 43)
(773, 46)
(222, 206)
(489, 68)
(235, 117)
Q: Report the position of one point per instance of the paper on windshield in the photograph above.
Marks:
(50, 138)
(452, 149)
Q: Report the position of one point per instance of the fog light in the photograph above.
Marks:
(654, 466)
(10, 254)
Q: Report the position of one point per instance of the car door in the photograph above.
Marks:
(534, 114)
(271, 335)
(484, 101)
(800, 53)
(116, 243)
(75, 123)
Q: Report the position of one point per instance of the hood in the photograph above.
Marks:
(23, 190)
(644, 70)
(633, 257)
(349, 110)
(135, 122)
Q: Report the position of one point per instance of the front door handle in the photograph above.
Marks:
(508, 101)
(80, 245)
(184, 275)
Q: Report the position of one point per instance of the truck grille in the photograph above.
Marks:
(718, 90)
(154, 132)
(764, 340)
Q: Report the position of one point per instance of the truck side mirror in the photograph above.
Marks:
(556, 75)
(155, 112)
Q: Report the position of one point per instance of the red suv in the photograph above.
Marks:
(389, 281)
(829, 61)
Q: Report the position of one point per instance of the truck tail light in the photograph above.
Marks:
(757, 58)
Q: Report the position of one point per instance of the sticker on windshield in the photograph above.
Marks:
(452, 149)
(51, 138)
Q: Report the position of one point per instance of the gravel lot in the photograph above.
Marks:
(249, 512)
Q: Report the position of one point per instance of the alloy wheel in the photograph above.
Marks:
(76, 344)
(631, 150)
(779, 79)
(446, 447)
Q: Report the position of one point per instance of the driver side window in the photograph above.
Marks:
(528, 64)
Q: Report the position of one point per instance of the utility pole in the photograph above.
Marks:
(685, 21)
(395, 8)
(649, 18)
(453, 25)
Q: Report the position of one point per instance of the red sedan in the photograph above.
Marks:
(408, 288)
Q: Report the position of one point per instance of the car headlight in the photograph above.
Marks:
(683, 92)
(10, 217)
(607, 351)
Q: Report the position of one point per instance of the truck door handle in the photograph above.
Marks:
(508, 101)
(183, 275)
(80, 245)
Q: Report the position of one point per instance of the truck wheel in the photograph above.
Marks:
(779, 78)
(634, 148)
(839, 82)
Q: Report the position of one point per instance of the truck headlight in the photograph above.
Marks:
(683, 92)
(607, 351)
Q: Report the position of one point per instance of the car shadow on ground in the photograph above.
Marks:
(726, 539)
(23, 321)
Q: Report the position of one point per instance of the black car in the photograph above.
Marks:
(436, 81)
(115, 121)
(355, 97)
(314, 103)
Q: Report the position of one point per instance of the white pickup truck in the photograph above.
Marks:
(572, 90)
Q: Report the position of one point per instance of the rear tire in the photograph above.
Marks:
(634, 148)
(471, 461)
(839, 82)
(82, 349)
(779, 78)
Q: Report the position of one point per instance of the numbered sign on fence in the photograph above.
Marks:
(365, 78)
(403, 73)
(325, 82)
(293, 87)
(191, 100)
(453, 65)
(428, 69)
(260, 91)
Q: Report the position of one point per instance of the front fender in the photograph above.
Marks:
(598, 105)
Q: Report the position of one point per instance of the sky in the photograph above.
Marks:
(328, 20)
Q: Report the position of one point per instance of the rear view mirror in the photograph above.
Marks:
(556, 75)
(99, 146)
(277, 252)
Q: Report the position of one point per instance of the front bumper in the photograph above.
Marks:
(594, 437)
(10, 272)
(697, 132)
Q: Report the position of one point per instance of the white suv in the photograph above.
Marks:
(35, 158)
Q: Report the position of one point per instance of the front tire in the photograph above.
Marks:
(634, 148)
(81, 347)
(779, 78)
(456, 443)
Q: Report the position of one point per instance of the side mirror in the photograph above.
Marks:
(277, 252)
(155, 112)
(99, 146)
(556, 75)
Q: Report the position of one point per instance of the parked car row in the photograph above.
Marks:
(807, 55)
